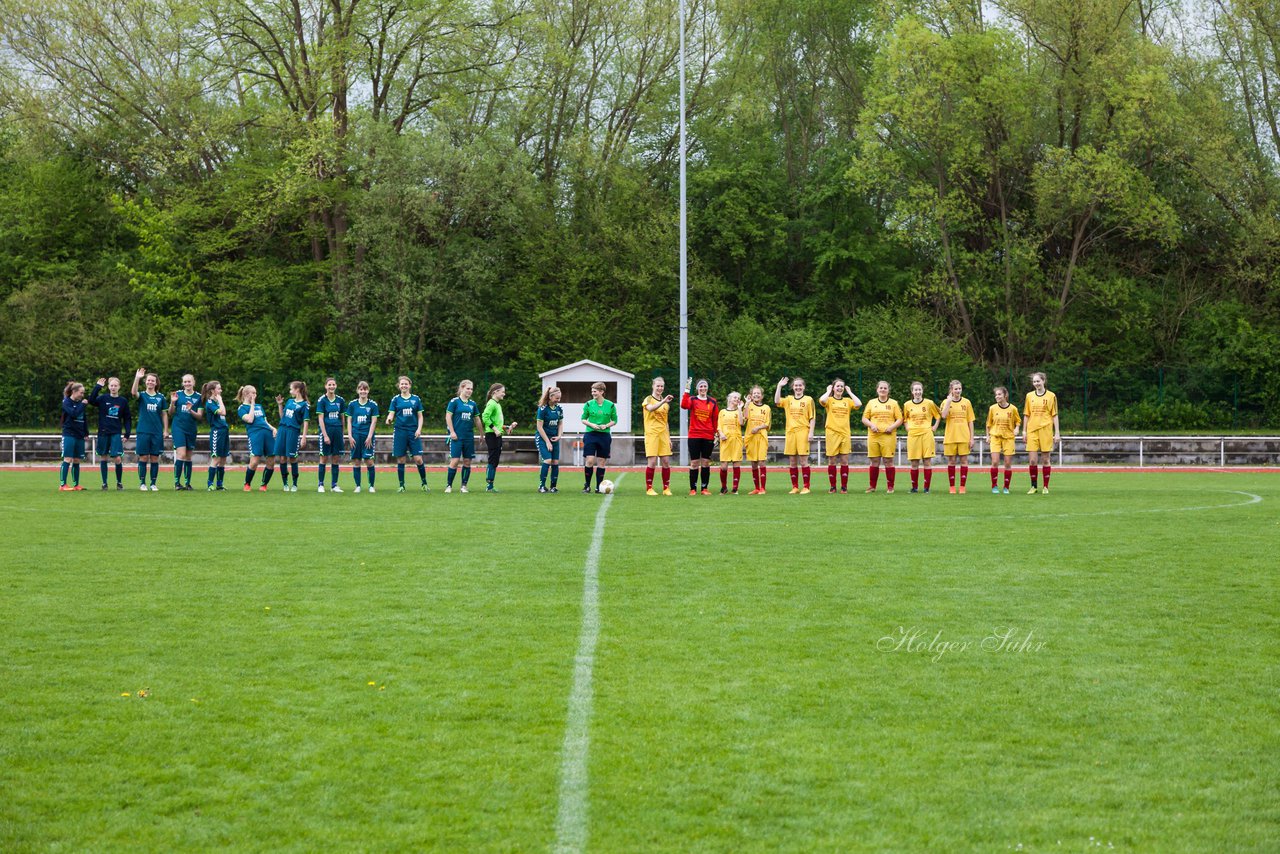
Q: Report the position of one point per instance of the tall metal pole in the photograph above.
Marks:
(684, 264)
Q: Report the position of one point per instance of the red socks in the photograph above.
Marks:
(831, 474)
(915, 478)
(648, 477)
(1008, 476)
(737, 473)
(928, 477)
(844, 477)
(964, 474)
(889, 472)
(1047, 468)
(951, 474)
(724, 478)
(995, 473)
(875, 475)
(1034, 474)
(804, 471)
(795, 477)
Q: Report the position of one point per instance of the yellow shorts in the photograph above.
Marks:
(837, 444)
(657, 445)
(955, 449)
(797, 443)
(731, 450)
(1040, 440)
(920, 447)
(1003, 445)
(757, 447)
(881, 444)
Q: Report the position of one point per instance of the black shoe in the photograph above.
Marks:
(219, 489)
(104, 487)
(553, 489)
(724, 490)
(120, 486)
(914, 489)
(542, 489)
(586, 490)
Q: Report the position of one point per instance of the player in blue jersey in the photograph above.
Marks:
(292, 435)
(114, 423)
(75, 429)
(460, 418)
(153, 426)
(262, 437)
(362, 424)
(405, 412)
(184, 407)
(214, 413)
(550, 417)
(329, 410)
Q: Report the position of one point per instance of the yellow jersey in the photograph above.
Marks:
(1003, 421)
(799, 410)
(757, 415)
(959, 416)
(882, 414)
(839, 409)
(655, 422)
(919, 417)
(1040, 410)
(729, 425)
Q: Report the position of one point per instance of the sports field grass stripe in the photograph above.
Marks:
(571, 815)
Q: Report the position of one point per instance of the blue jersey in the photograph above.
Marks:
(74, 421)
(551, 416)
(362, 416)
(330, 413)
(295, 414)
(259, 423)
(185, 408)
(214, 415)
(464, 418)
(114, 417)
(149, 408)
(406, 410)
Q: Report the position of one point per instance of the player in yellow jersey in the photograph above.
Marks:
(839, 402)
(1040, 421)
(800, 413)
(729, 434)
(957, 441)
(921, 417)
(1002, 427)
(882, 418)
(756, 418)
(657, 436)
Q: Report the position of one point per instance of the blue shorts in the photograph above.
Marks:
(405, 445)
(149, 445)
(462, 449)
(548, 453)
(361, 451)
(73, 446)
(111, 446)
(183, 439)
(287, 442)
(219, 442)
(261, 443)
(332, 444)
(596, 444)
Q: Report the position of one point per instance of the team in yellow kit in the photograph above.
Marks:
(799, 410)
(957, 441)
(1002, 429)
(921, 417)
(840, 403)
(729, 433)
(882, 417)
(657, 436)
(1040, 413)
(757, 417)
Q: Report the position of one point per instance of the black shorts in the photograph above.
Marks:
(596, 444)
(700, 449)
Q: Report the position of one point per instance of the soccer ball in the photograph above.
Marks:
(606, 486)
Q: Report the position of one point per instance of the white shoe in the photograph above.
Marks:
(335, 489)
(372, 490)
(357, 490)
(154, 488)
(464, 489)
(320, 488)
(448, 489)
(142, 486)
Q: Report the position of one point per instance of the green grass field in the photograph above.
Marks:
(816, 673)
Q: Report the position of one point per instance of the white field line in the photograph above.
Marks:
(571, 813)
(1252, 499)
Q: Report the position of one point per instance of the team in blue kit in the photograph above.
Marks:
(460, 418)
(184, 409)
(329, 411)
(404, 413)
(114, 424)
(362, 427)
(342, 427)
(153, 426)
(291, 437)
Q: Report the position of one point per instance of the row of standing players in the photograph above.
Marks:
(709, 426)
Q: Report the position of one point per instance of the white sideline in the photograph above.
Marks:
(571, 814)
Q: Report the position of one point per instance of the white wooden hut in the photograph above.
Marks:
(575, 382)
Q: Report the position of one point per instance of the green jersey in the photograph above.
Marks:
(598, 413)
(491, 418)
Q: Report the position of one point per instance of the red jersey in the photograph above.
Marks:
(704, 416)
